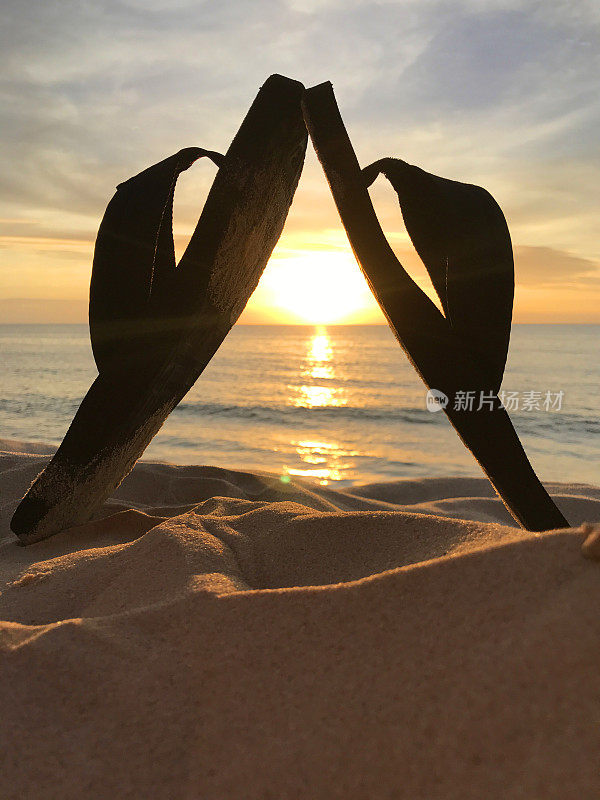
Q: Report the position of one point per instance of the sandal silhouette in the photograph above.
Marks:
(461, 235)
(154, 325)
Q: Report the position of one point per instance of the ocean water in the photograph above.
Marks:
(338, 404)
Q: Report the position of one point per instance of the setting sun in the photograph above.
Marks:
(317, 287)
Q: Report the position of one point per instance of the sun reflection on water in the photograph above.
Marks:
(320, 346)
(325, 461)
(318, 397)
(319, 358)
(318, 366)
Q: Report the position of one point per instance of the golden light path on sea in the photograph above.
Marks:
(324, 459)
(319, 366)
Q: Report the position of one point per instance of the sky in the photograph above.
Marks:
(498, 93)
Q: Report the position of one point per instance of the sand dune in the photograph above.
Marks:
(221, 634)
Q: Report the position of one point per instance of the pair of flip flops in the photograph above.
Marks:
(155, 324)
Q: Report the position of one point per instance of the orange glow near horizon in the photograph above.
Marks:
(311, 279)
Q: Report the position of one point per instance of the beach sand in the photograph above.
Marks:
(221, 634)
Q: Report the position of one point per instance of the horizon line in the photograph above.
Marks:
(304, 324)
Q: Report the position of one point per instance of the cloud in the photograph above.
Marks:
(497, 92)
(544, 266)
